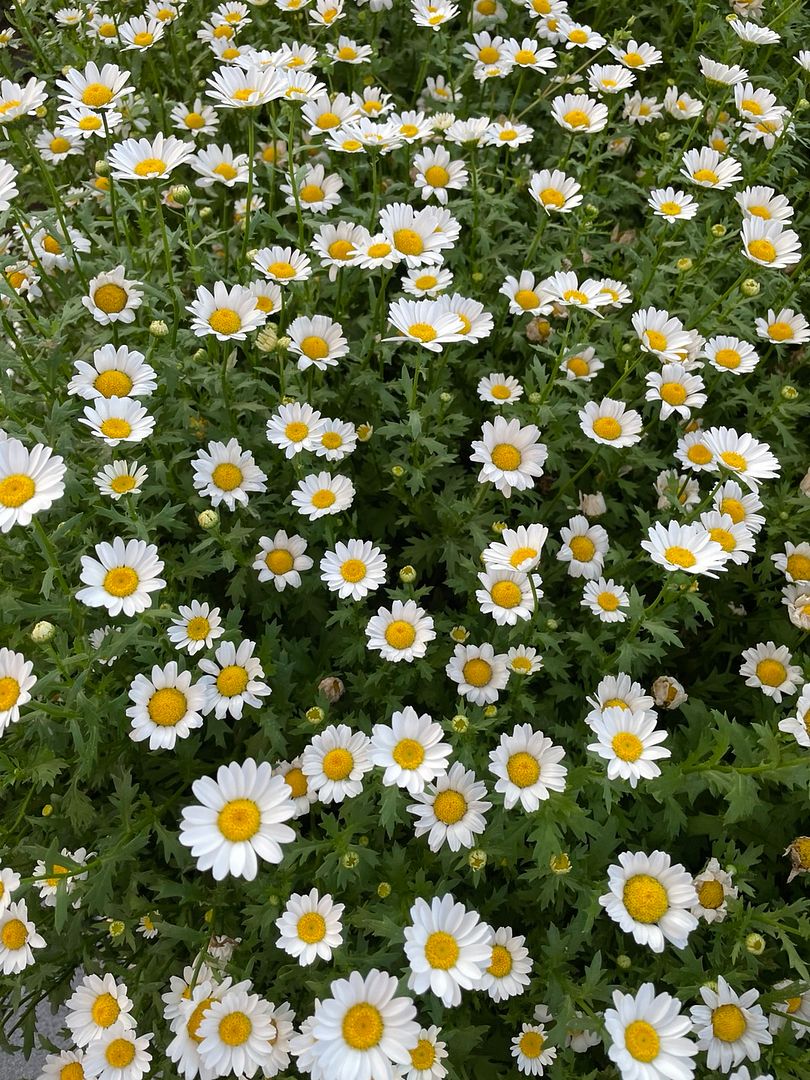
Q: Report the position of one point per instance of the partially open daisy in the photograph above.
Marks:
(233, 679)
(519, 549)
(618, 690)
(736, 540)
(714, 888)
(122, 577)
(579, 113)
(531, 1050)
(554, 191)
(97, 1003)
(410, 750)
(236, 1033)
(611, 423)
(225, 473)
(267, 296)
(527, 766)
(451, 810)
(768, 666)
(785, 327)
(730, 1027)
(770, 244)
(310, 927)
(401, 632)
(228, 314)
(750, 460)
(18, 939)
(30, 481)
(650, 897)
(630, 744)
(793, 561)
(523, 660)
(583, 548)
(166, 706)
(448, 948)
(197, 628)
(354, 569)
(583, 365)
(237, 820)
(119, 1054)
(282, 559)
(648, 1036)
(112, 297)
(684, 547)
(115, 372)
(321, 494)
(605, 599)
(511, 456)
(318, 341)
(708, 168)
(300, 792)
(335, 763)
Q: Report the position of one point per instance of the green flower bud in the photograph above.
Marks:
(460, 723)
(407, 575)
(719, 230)
(158, 328)
(42, 632)
(208, 519)
(789, 393)
(477, 859)
(383, 890)
(750, 287)
(755, 944)
(350, 860)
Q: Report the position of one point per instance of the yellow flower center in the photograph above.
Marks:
(400, 634)
(9, 693)
(607, 601)
(150, 166)
(279, 561)
(96, 94)
(506, 594)
(351, 145)
(408, 242)
(671, 208)
(523, 769)
(763, 250)
(615, 703)
(711, 895)
(728, 1023)
(232, 680)
(506, 457)
(239, 820)
(194, 120)
(314, 347)
(579, 37)
(727, 358)
(449, 806)
(477, 672)
(198, 628)
(353, 570)
(143, 39)
(500, 391)
(119, 1053)
(576, 118)
(227, 476)
(705, 176)
(408, 754)
(575, 296)
(552, 197)
(105, 1010)
(582, 548)
(680, 556)
(792, 1004)
(531, 1044)
(107, 30)
(115, 427)
(645, 898)
(91, 123)
(121, 581)
(235, 1029)
(733, 460)
(51, 245)
(14, 934)
(699, 454)
(526, 299)
(641, 1040)
(16, 489)
(423, 1055)
(323, 499)
(331, 440)
(437, 176)
(673, 393)
(441, 950)
(633, 59)
(225, 321)
(112, 383)
(110, 298)
(167, 707)
(771, 672)
(123, 483)
(780, 331)
(245, 93)
(281, 270)
(607, 427)
(525, 56)
(627, 746)
(346, 52)
(297, 783)
(340, 250)
(338, 764)
(500, 963)
(520, 555)
(724, 538)
(488, 55)
(225, 170)
(311, 928)
(409, 130)
(296, 431)
(798, 566)
(378, 251)
(656, 340)
(72, 1071)
(265, 304)
(362, 1026)
(751, 105)
(311, 193)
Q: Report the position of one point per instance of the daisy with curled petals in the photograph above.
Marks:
(310, 927)
(682, 106)
(225, 473)
(511, 456)
(519, 549)
(335, 763)
(94, 87)
(676, 389)
(524, 660)
(18, 100)
(735, 539)
(294, 427)
(798, 1012)
(122, 577)
(523, 296)
(282, 559)
(710, 169)
(30, 481)
(714, 888)
(426, 1056)
(479, 673)
(499, 389)
(648, 1036)
(531, 1051)
(321, 494)
(121, 372)
(765, 203)
(18, 939)
(448, 948)
(618, 690)
(641, 110)
(140, 159)
(527, 766)
(721, 74)
(347, 51)
(197, 628)
(363, 1031)
(140, 33)
(564, 288)
(650, 897)
(428, 323)
(660, 333)
(400, 633)
(630, 744)
(119, 1054)
(112, 298)
(785, 327)
(730, 1027)
(317, 192)
(796, 599)
(769, 667)
(751, 33)
(317, 341)
(732, 354)
(116, 420)
(413, 233)
(165, 707)
(672, 205)
(219, 165)
(236, 1034)
(609, 78)
(451, 810)
(770, 244)
(16, 684)
(684, 547)
(636, 56)
(579, 113)
(410, 750)
(437, 173)
(354, 569)
(232, 680)
(248, 88)
(200, 119)
(411, 125)
(555, 192)
(750, 460)
(97, 1003)
(605, 599)
(267, 297)
(228, 314)
(507, 595)
(50, 251)
(237, 820)
(584, 547)
(617, 293)
(282, 264)
(794, 561)
(611, 423)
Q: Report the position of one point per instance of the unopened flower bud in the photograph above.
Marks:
(719, 230)
(208, 519)
(407, 575)
(552, 624)
(590, 210)
(283, 344)
(459, 634)
(332, 688)
(383, 890)
(350, 860)
(397, 471)
(460, 723)
(208, 917)
(668, 692)
(116, 928)
(478, 276)
(445, 398)
(364, 432)
(490, 711)
(560, 864)
(42, 632)
(623, 961)
(205, 213)
(755, 944)
(789, 393)
(315, 715)
(750, 287)
(180, 194)
(535, 397)
(267, 338)
(363, 841)
(592, 505)
(199, 356)
(684, 265)
(101, 168)
(158, 328)
(47, 810)
(498, 527)
(664, 136)
(477, 859)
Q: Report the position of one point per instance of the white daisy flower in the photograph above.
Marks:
(684, 547)
(648, 1036)
(770, 244)
(267, 296)
(336, 439)
(765, 203)
(236, 1033)
(310, 927)
(54, 876)
(282, 559)
(730, 1027)
(294, 427)
(428, 323)
(451, 810)
(636, 55)
(225, 473)
(428, 1053)
(510, 964)
(769, 667)
(579, 113)
(523, 296)
(57, 1066)
(413, 233)
(119, 1054)
(499, 389)
(321, 494)
(317, 341)
(524, 660)
(401, 632)
(238, 819)
(98, 1004)
(618, 690)
(448, 948)
(115, 372)
(736, 540)
(507, 595)
(115, 420)
(650, 897)
(140, 33)
(282, 264)
(237, 88)
(630, 744)
(519, 549)
(511, 456)
(714, 888)
(301, 794)
(742, 454)
(728, 353)
(199, 119)
(785, 327)
(410, 750)
(797, 600)
(9, 883)
(609, 78)
(30, 481)
(335, 763)
(605, 599)
(122, 577)
(427, 281)
(681, 105)
(219, 165)
(583, 365)
(672, 204)
(228, 314)
(721, 74)
(709, 169)
(554, 191)
(94, 87)
(112, 297)
(479, 673)
(677, 390)
(797, 1009)
(18, 939)
(166, 707)
(317, 192)
(197, 628)
(140, 159)
(437, 173)
(354, 569)
(611, 423)
(531, 1050)
(527, 766)
(232, 680)
(584, 547)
